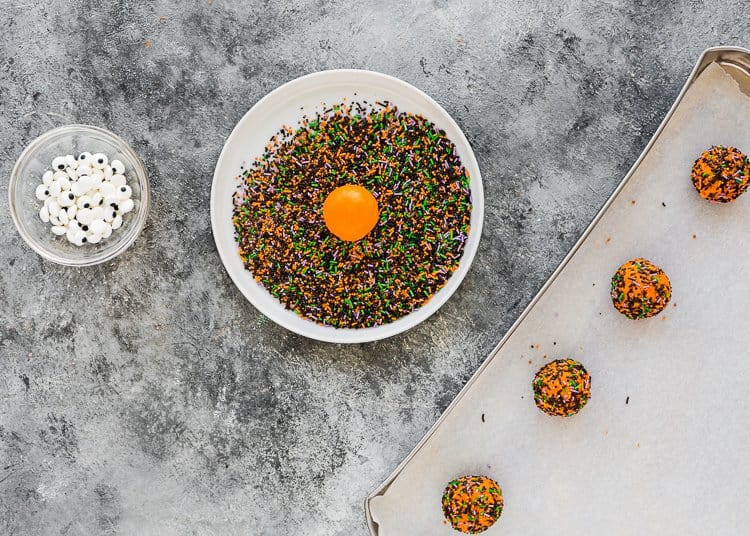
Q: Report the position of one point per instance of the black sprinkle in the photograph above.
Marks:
(627, 400)
(25, 380)
(482, 417)
(663, 204)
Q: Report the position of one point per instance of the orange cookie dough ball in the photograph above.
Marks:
(640, 289)
(721, 174)
(472, 504)
(562, 387)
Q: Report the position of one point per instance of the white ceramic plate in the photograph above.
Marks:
(283, 107)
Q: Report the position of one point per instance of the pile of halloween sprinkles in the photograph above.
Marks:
(424, 201)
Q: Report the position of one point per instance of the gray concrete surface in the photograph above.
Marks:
(146, 396)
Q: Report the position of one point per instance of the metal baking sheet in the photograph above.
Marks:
(660, 447)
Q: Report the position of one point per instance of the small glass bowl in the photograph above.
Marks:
(27, 174)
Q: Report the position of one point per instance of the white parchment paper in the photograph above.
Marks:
(676, 458)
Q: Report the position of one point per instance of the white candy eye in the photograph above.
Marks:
(83, 185)
(59, 175)
(63, 217)
(94, 238)
(97, 199)
(72, 174)
(107, 232)
(47, 177)
(64, 183)
(117, 222)
(83, 170)
(73, 224)
(85, 159)
(53, 207)
(42, 192)
(72, 209)
(44, 214)
(66, 199)
(59, 230)
(109, 215)
(71, 235)
(97, 213)
(100, 160)
(83, 202)
(84, 216)
(117, 180)
(107, 189)
(126, 206)
(124, 192)
(98, 226)
(55, 189)
(118, 168)
(58, 163)
(71, 161)
(108, 172)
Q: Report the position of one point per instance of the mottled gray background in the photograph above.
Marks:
(146, 396)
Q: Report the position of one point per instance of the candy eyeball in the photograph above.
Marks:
(85, 159)
(66, 199)
(126, 206)
(55, 189)
(42, 192)
(124, 192)
(85, 197)
(64, 183)
(83, 202)
(107, 189)
(59, 163)
(118, 168)
(99, 160)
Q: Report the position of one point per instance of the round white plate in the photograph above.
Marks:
(285, 106)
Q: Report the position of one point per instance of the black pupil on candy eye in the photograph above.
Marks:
(85, 227)
(83, 239)
(122, 189)
(101, 161)
(46, 192)
(70, 196)
(61, 166)
(85, 205)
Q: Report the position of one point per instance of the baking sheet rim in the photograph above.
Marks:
(709, 56)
